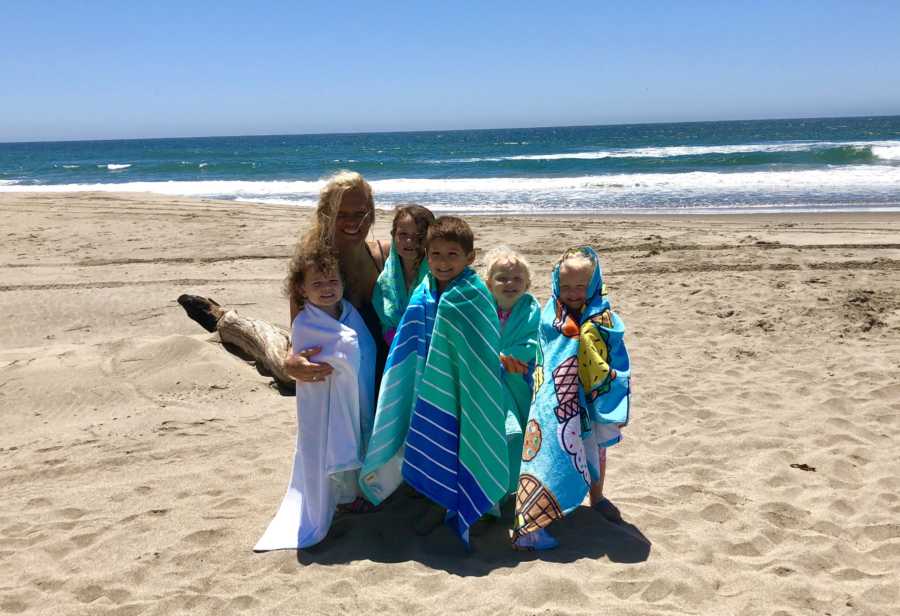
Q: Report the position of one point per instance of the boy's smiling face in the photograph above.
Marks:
(574, 278)
(447, 260)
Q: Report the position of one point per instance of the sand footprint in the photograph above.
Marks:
(70, 513)
(83, 540)
(206, 537)
(13, 606)
(243, 603)
(92, 592)
(784, 515)
(716, 513)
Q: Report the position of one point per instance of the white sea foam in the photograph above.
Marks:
(71, 166)
(114, 166)
(217, 188)
(665, 152)
(203, 165)
(8, 182)
(888, 150)
(856, 179)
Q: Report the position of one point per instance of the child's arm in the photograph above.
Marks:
(297, 365)
(513, 365)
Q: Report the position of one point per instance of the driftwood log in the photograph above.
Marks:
(251, 339)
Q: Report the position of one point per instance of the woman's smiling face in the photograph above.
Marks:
(353, 220)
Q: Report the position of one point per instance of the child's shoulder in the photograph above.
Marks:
(468, 285)
(529, 300)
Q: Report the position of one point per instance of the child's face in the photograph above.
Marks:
(507, 282)
(408, 239)
(573, 283)
(323, 289)
(447, 259)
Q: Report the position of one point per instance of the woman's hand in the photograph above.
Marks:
(513, 365)
(298, 366)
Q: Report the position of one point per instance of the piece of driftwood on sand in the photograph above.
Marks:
(251, 339)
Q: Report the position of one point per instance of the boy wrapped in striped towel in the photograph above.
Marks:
(440, 419)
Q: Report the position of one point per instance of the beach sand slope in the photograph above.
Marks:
(139, 461)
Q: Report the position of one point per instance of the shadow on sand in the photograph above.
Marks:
(388, 536)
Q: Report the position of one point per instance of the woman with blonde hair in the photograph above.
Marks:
(343, 218)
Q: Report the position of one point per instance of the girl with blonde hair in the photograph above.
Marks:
(508, 276)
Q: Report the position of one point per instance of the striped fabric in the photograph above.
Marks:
(456, 450)
(440, 418)
(380, 474)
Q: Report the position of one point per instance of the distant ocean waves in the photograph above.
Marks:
(854, 187)
(818, 151)
(760, 165)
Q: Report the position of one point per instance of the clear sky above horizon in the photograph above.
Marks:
(106, 70)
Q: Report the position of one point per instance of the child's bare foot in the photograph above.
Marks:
(431, 518)
(541, 539)
(609, 511)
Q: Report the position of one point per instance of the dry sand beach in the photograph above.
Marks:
(139, 461)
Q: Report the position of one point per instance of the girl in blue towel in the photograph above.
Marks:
(508, 277)
(581, 401)
(404, 268)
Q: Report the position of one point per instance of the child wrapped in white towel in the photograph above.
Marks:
(334, 414)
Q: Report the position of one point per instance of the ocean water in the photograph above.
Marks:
(828, 164)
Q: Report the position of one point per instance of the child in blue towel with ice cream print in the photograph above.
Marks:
(582, 399)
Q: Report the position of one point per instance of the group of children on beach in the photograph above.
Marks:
(485, 395)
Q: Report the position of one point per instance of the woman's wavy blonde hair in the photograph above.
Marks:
(316, 247)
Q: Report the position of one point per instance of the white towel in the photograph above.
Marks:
(334, 421)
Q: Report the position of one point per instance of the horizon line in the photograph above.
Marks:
(451, 130)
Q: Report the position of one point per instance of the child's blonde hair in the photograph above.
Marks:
(504, 253)
(576, 257)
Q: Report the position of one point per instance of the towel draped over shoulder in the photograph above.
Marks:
(391, 296)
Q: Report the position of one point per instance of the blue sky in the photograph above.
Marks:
(119, 69)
